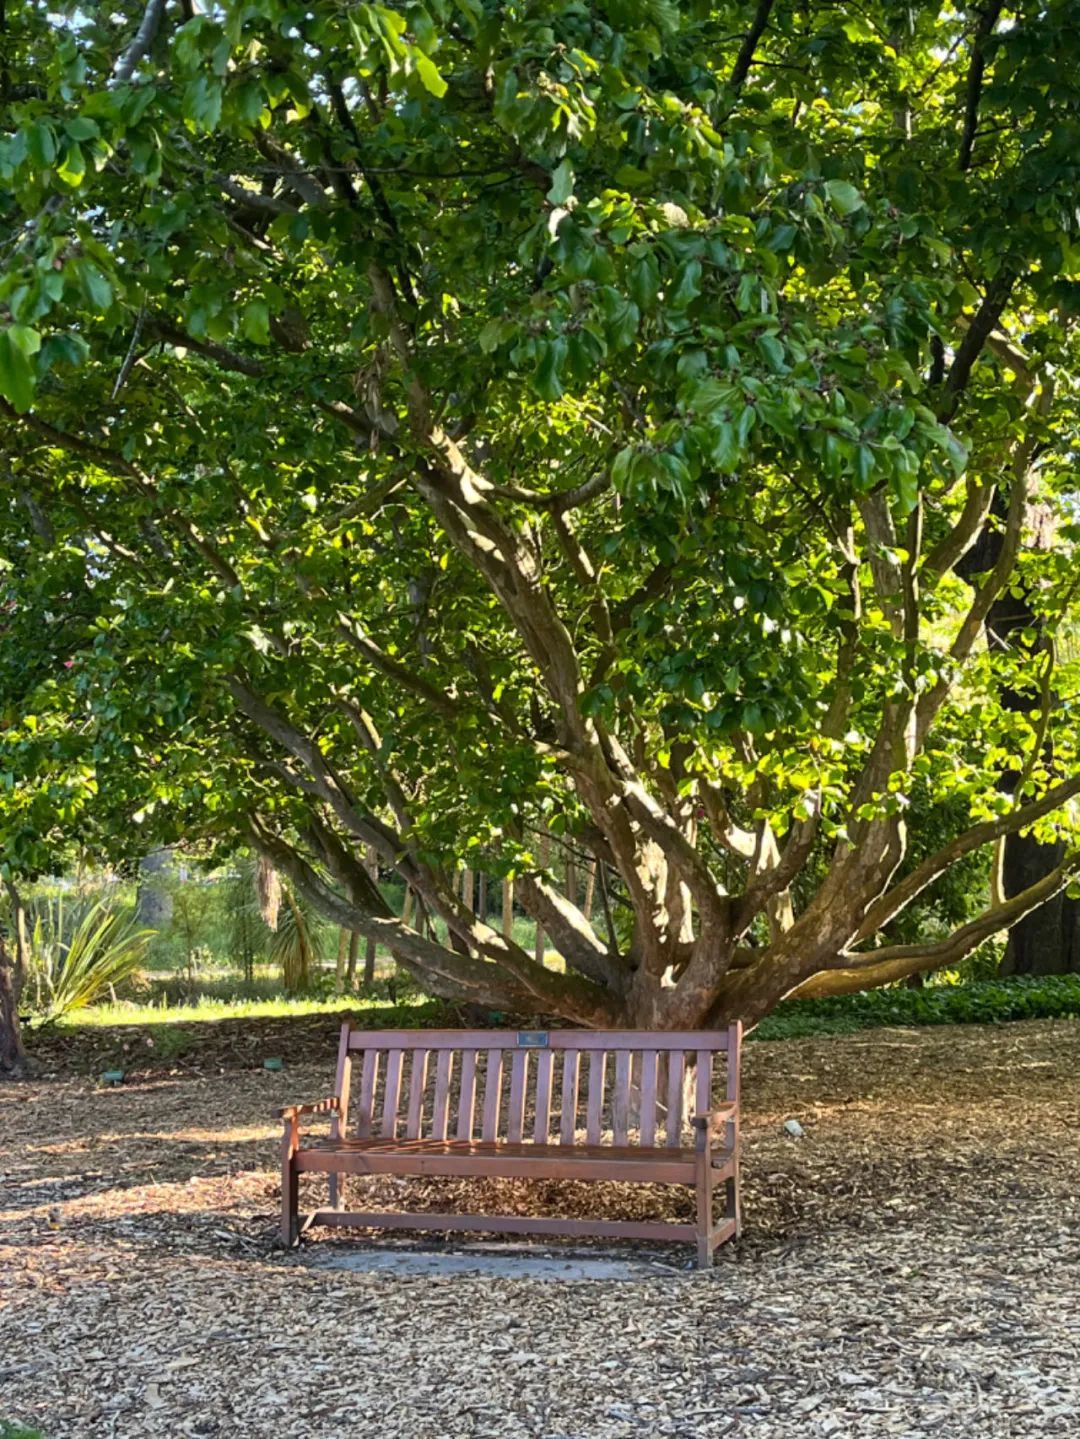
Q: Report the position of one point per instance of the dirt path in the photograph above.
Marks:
(910, 1269)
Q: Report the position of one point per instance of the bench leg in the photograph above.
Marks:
(290, 1186)
(704, 1190)
(733, 1206)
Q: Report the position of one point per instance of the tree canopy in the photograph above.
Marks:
(430, 427)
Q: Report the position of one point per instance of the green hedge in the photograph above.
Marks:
(980, 1002)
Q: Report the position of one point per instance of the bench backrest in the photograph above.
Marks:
(546, 1086)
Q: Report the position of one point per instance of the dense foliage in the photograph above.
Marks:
(430, 427)
(1054, 996)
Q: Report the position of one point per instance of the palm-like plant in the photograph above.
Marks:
(105, 948)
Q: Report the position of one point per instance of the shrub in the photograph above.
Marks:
(981, 1002)
(105, 948)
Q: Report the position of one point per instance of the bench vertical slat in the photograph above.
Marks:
(365, 1109)
(440, 1109)
(519, 1082)
(620, 1107)
(544, 1066)
(595, 1102)
(648, 1099)
(703, 1098)
(392, 1094)
(417, 1085)
(492, 1096)
(571, 1062)
(676, 1062)
(467, 1097)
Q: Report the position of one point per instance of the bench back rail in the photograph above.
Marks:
(622, 1087)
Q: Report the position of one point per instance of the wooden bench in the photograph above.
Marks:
(629, 1106)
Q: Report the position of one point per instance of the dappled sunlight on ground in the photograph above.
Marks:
(908, 1267)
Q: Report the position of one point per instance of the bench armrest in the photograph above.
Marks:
(321, 1106)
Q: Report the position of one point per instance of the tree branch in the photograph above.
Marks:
(920, 878)
(140, 45)
(745, 57)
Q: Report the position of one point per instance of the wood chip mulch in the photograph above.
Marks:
(910, 1268)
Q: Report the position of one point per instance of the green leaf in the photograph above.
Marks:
(844, 197)
(773, 351)
(547, 377)
(562, 183)
(644, 282)
(41, 144)
(202, 103)
(95, 286)
(256, 322)
(16, 371)
(430, 78)
(687, 285)
(73, 166)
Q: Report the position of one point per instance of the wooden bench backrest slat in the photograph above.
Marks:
(648, 1098)
(369, 1078)
(519, 1079)
(492, 1096)
(420, 1084)
(417, 1085)
(440, 1109)
(620, 1102)
(571, 1066)
(594, 1108)
(545, 1066)
(392, 1094)
(676, 1070)
(467, 1097)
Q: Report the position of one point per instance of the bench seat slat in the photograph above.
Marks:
(524, 1161)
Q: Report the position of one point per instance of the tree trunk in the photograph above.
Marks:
(354, 951)
(342, 951)
(12, 1053)
(369, 964)
(1047, 941)
(508, 908)
(153, 902)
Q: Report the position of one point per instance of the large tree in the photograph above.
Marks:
(459, 426)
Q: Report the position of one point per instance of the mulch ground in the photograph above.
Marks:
(910, 1266)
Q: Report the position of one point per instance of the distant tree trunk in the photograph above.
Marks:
(508, 908)
(12, 1053)
(342, 951)
(153, 902)
(482, 896)
(544, 855)
(1046, 941)
(467, 890)
(590, 892)
(354, 951)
